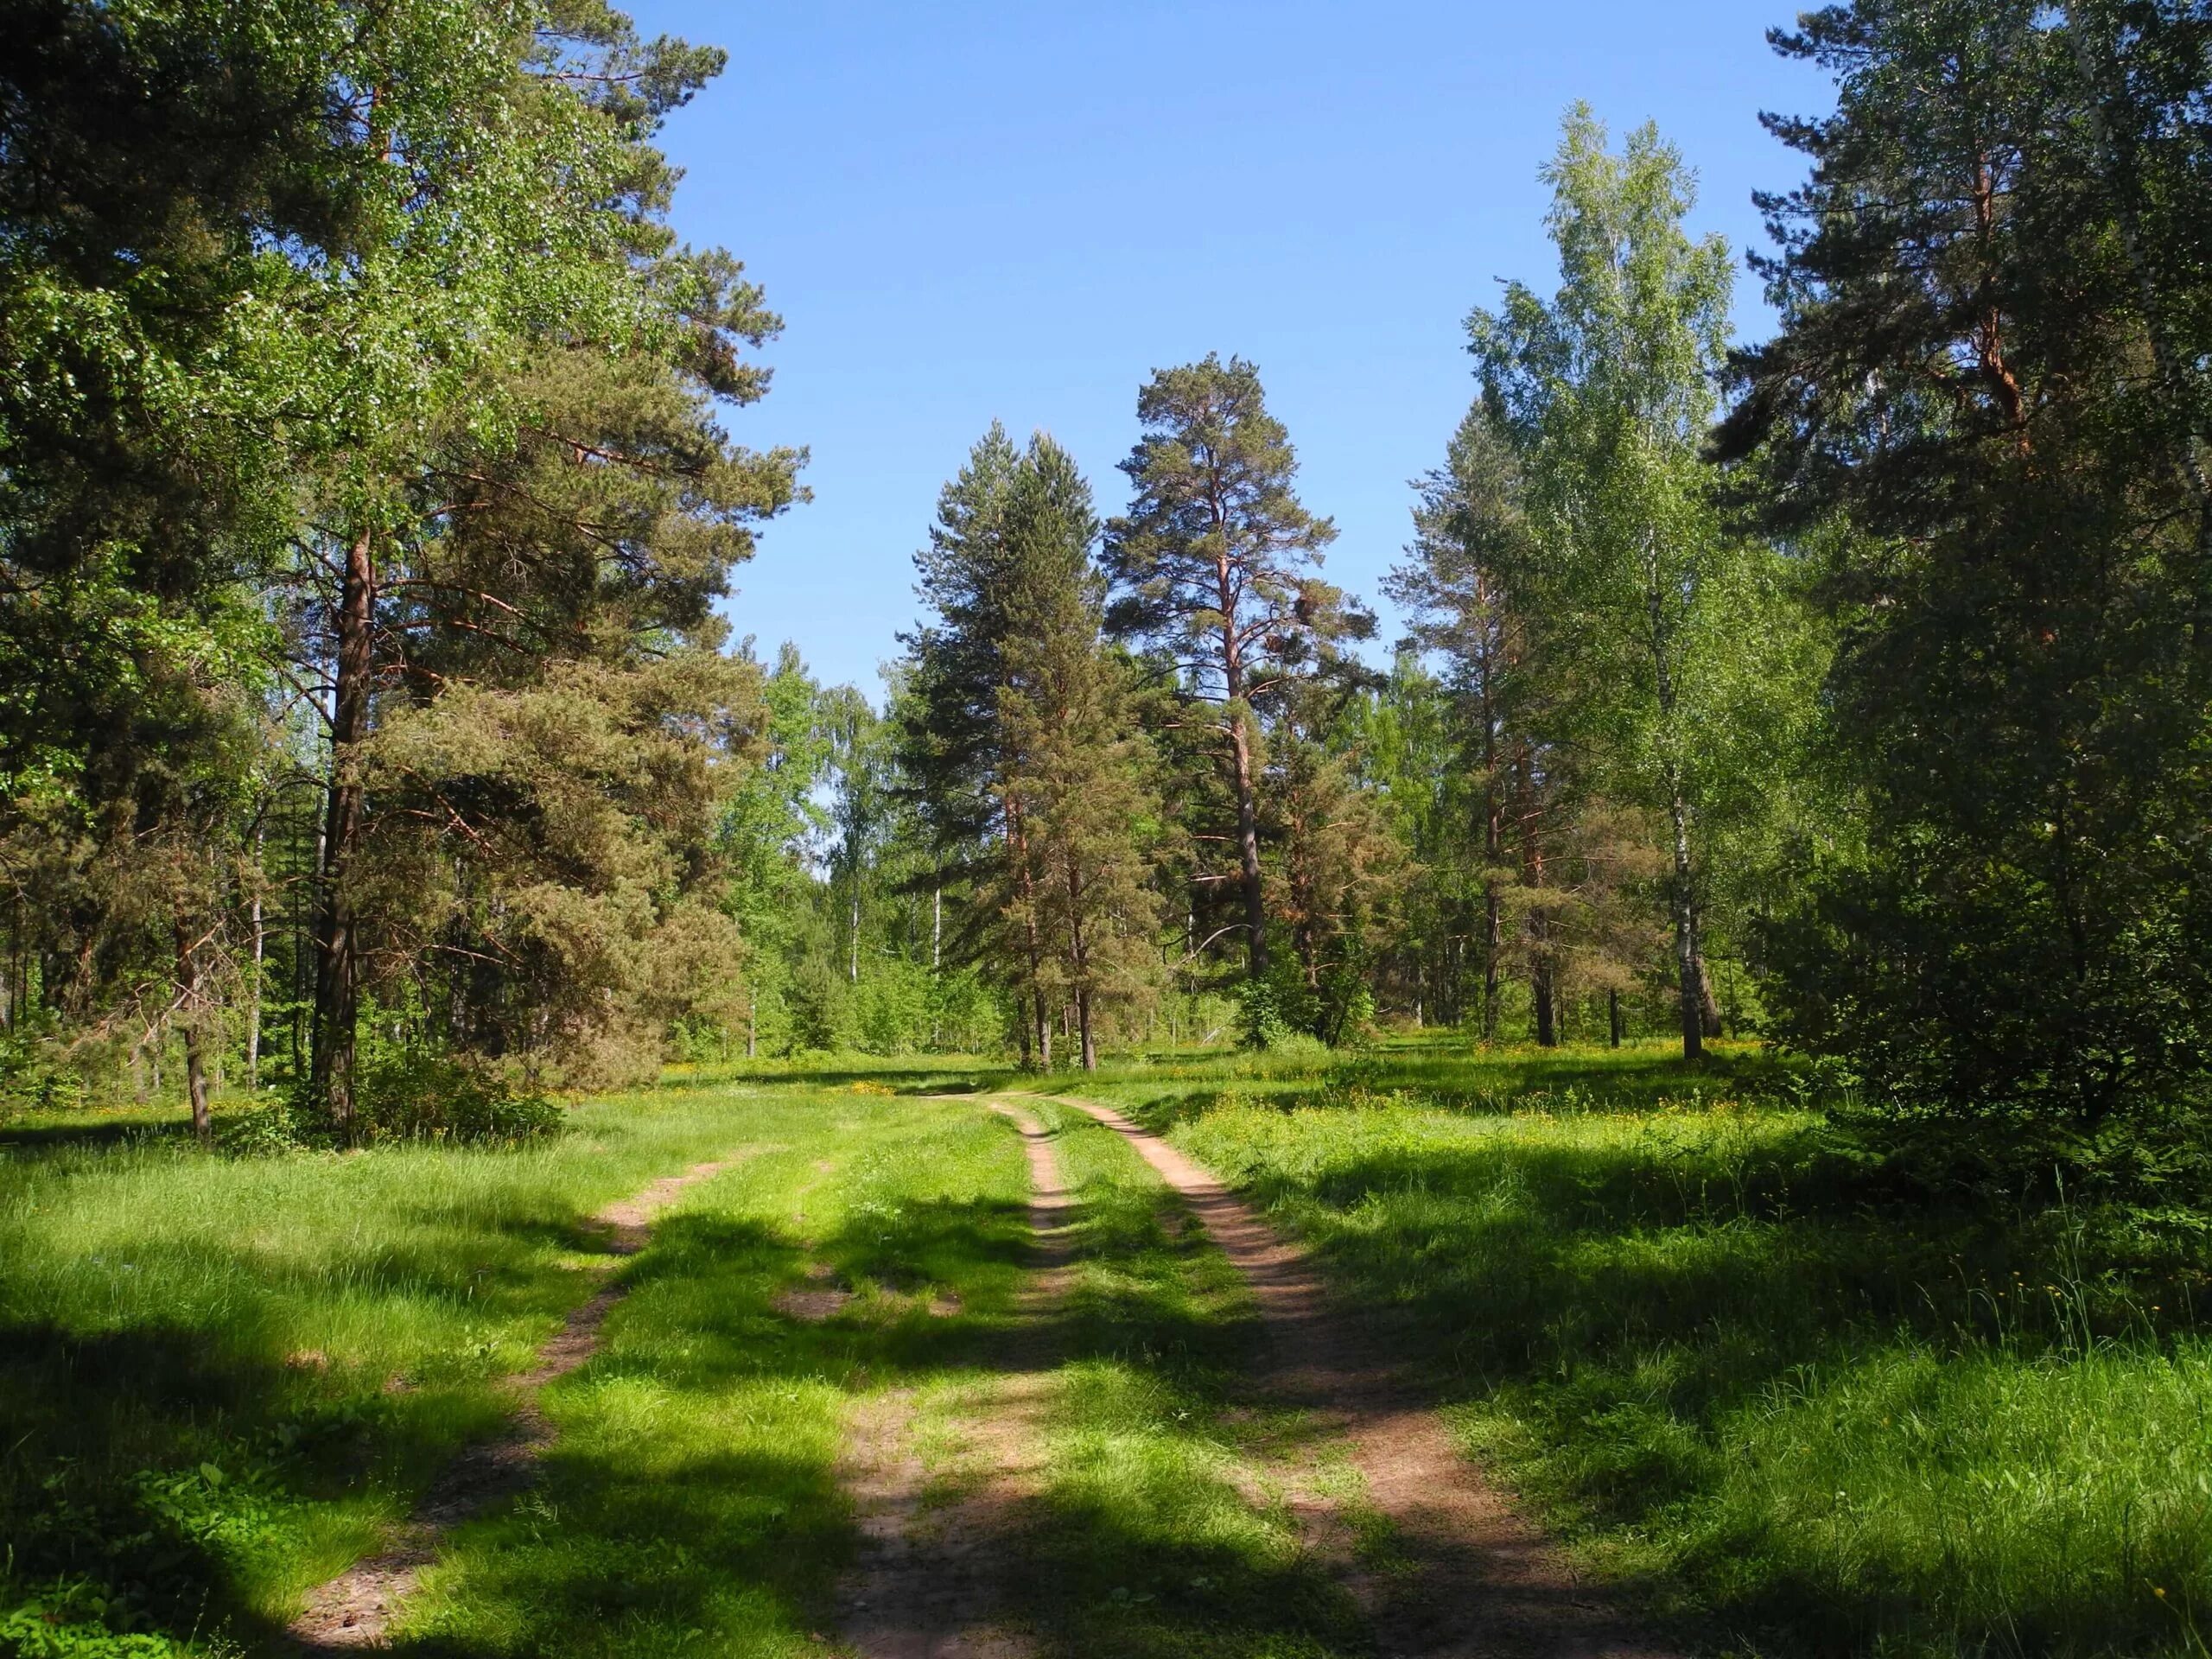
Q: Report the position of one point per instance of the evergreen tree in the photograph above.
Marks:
(1469, 537)
(1987, 413)
(1081, 816)
(1213, 569)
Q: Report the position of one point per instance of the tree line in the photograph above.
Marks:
(367, 721)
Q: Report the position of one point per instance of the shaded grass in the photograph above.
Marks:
(1799, 1416)
(691, 1502)
(221, 1381)
(1161, 1529)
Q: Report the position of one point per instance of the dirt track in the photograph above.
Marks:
(1475, 1580)
(354, 1610)
(927, 1584)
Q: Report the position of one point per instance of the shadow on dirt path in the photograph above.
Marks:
(928, 1581)
(1467, 1577)
(355, 1610)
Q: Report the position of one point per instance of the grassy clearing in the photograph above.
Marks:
(220, 1380)
(1798, 1415)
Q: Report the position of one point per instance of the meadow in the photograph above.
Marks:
(1782, 1404)
(1801, 1408)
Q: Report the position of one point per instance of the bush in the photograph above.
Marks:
(263, 1131)
(403, 1095)
(419, 1094)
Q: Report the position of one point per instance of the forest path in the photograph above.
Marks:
(355, 1610)
(1468, 1577)
(928, 1581)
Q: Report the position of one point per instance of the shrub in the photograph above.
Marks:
(418, 1094)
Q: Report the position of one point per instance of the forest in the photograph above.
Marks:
(1728, 987)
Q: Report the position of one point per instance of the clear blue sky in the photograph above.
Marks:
(968, 211)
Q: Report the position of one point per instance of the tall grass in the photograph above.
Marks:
(1801, 1415)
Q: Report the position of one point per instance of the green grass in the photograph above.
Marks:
(1794, 1413)
(220, 1380)
(691, 1504)
(1790, 1412)
(1162, 1529)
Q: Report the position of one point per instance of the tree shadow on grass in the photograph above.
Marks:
(1631, 1303)
(59, 1134)
(693, 1490)
(915, 1079)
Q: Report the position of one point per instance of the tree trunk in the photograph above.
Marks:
(260, 952)
(1493, 944)
(1539, 986)
(188, 985)
(337, 1001)
(1708, 1006)
(1613, 1017)
(1248, 844)
(1082, 1026)
(1025, 880)
(1689, 975)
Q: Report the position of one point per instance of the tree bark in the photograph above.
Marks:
(337, 1001)
(1248, 845)
(260, 952)
(1689, 975)
(188, 985)
(1613, 1017)
(1708, 1006)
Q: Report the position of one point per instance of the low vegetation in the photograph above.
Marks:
(1789, 1405)
(1807, 1409)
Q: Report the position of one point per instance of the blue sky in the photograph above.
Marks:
(968, 211)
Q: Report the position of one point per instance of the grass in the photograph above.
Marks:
(1797, 1415)
(221, 1381)
(691, 1503)
(1162, 1527)
(1791, 1412)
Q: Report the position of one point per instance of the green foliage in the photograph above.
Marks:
(1986, 416)
(412, 1094)
(1667, 640)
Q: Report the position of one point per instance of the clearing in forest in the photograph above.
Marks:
(1007, 1373)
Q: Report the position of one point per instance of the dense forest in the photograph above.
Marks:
(373, 746)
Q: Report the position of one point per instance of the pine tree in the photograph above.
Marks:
(1213, 569)
(1987, 415)
(1470, 537)
(1074, 784)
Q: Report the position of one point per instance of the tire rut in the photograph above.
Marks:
(928, 1581)
(1472, 1579)
(355, 1610)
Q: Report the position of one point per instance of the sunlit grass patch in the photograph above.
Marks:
(1163, 1527)
(1803, 1416)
